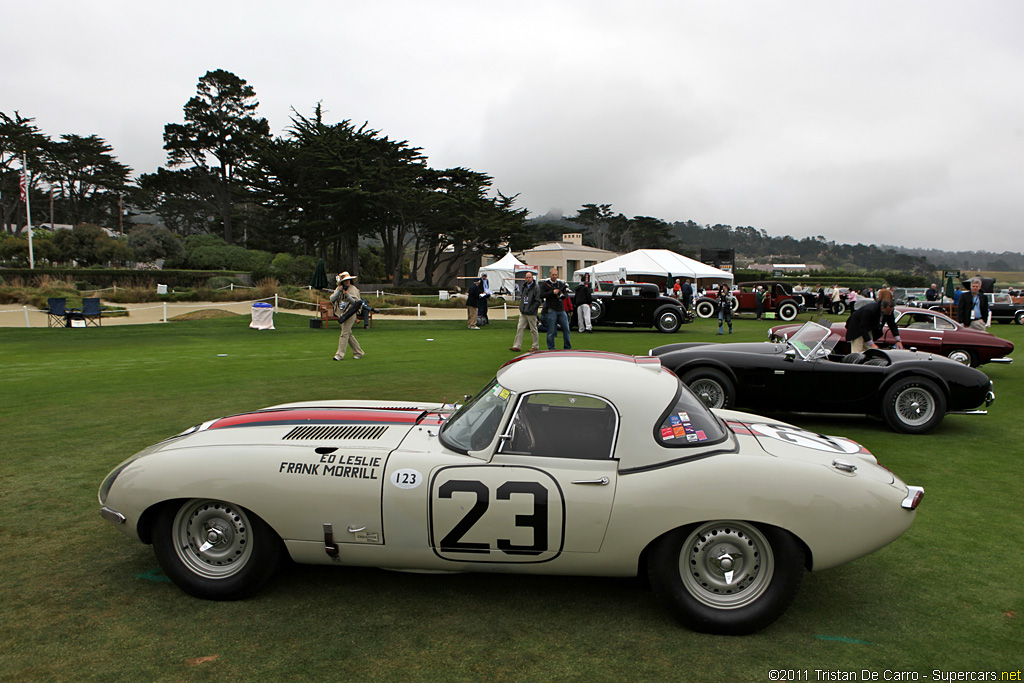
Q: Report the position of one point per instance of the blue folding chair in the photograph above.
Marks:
(92, 313)
(57, 312)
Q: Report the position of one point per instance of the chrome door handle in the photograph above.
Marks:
(352, 529)
(603, 481)
(936, 338)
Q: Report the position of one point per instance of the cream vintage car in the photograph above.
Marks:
(574, 462)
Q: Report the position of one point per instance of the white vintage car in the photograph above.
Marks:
(572, 462)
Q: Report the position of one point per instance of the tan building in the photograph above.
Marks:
(568, 256)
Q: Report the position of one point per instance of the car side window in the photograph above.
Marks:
(943, 324)
(559, 425)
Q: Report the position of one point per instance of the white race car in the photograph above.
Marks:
(572, 462)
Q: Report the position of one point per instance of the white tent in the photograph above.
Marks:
(660, 263)
(502, 273)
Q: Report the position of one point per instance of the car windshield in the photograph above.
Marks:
(812, 341)
(474, 425)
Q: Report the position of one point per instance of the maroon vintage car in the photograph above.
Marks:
(931, 332)
(779, 300)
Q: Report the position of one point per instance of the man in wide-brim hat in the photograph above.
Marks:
(347, 299)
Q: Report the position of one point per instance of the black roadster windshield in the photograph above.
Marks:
(474, 425)
(812, 341)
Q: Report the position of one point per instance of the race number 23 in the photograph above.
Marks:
(498, 521)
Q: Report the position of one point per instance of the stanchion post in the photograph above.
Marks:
(275, 303)
(165, 311)
(417, 311)
(27, 324)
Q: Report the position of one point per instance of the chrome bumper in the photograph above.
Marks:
(990, 397)
(112, 516)
(1005, 359)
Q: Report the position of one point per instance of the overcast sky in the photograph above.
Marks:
(875, 121)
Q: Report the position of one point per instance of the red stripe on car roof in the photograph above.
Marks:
(738, 427)
(321, 415)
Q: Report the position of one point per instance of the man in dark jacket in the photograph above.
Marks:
(473, 302)
(865, 326)
(553, 291)
(687, 291)
(972, 308)
(529, 303)
(581, 299)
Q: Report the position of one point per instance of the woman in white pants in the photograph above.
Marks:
(581, 300)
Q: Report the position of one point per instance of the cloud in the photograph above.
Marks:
(890, 122)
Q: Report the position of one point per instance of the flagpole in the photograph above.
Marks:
(28, 212)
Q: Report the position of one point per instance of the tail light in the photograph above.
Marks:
(913, 499)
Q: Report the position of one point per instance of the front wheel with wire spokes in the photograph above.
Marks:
(914, 405)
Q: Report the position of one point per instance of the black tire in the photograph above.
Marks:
(1019, 317)
(668, 320)
(242, 555)
(914, 405)
(838, 308)
(596, 311)
(713, 388)
(788, 311)
(963, 357)
(694, 571)
(706, 309)
(735, 305)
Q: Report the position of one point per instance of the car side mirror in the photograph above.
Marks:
(790, 355)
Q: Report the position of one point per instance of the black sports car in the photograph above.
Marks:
(638, 305)
(912, 391)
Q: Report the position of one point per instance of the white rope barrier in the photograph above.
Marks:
(163, 306)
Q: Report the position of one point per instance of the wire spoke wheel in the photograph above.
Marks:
(915, 406)
(709, 391)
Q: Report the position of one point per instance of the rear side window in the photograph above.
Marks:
(689, 422)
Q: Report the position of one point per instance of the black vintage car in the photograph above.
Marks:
(1004, 310)
(638, 305)
(912, 391)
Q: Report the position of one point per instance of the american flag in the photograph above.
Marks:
(23, 186)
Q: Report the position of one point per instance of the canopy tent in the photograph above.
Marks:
(502, 273)
(661, 264)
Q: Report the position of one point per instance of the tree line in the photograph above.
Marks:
(314, 191)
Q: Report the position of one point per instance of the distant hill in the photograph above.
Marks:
(967, 260)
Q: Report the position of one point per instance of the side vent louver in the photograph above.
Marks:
(319, 432)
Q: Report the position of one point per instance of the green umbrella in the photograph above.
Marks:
(948, 292)
(319, 279)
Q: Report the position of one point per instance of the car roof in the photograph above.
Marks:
(638, 386)
(597, 372)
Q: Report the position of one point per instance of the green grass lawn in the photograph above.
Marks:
(79, 601)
